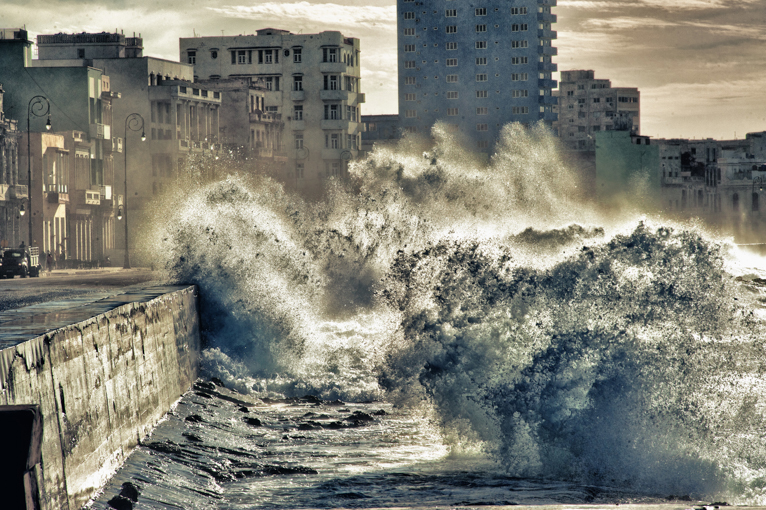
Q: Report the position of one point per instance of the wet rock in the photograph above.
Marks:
(130, 491)
(360, 416)
(285, 470)
(243, 409)
(164, 447)
(217, 382)
(120, 503)
(205, 385)
(379, 412)
(253, 422)
(203, 395)
(194, 418)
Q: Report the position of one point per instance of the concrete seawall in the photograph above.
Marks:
(98, 375)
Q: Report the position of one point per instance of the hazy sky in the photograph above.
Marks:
(700, 64)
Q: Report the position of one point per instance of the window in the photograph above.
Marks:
(409, 64)
(519, 27)
(272, 82)
(627, 99)
(519, 60)
(452, 94)
(482, 110)
(452, 112)
(409, 15)
(482, 127)
(81, 54)
(481, 77)
(481, 28)
(409, 48)
(214, 54)
(520, 110)
(451, 46)
(241, 57)
(596, 99)
(482, 144)
(481, 45)
(520, 93)
(269, 59)
(451, 62)
(482, 94)
(570, 92)
(519, 77)
(299, 141)
(329, 54)
(298, 112)
(297, 82)
(331, 112)
(297, 55)
(299, 170)
(409, 97)
(481, 61)
(451, 29)
(410, 80)
(516, 11)
(409, 31)
(520, 44)
(451, 13)
(451, 78)
(481, 11)
(410, 114)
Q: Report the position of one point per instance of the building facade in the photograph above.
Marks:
(475, 67)
(78, 99)
(179, 118)
(312, 81)
(12, 193)
(380, 130)
(587, 105)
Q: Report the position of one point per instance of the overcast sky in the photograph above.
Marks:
(700, 64)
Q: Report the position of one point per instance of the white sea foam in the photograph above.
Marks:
(564, 342)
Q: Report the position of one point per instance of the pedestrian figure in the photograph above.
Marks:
(22, 245)
(49, 262)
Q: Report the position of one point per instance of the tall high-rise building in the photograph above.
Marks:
(475, 66)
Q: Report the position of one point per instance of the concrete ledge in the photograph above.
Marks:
(102, 374)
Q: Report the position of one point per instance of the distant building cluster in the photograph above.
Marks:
(291, 104)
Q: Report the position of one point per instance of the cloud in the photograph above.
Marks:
(342, 17)
(667, 5)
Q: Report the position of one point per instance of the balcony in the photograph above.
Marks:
(361, 98)
(90, 197)
(547, 50)
(546, 34)
(547, 67)
(335, 124)
(333, 95)
(114, 146)
(546, 84)
(332, 67)
(56, 197)
(100, 131)
(298, 95)
(18, 191)
(546, 17)
(548, 100)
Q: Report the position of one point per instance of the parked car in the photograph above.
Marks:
(20, 261)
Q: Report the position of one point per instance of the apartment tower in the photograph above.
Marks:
(475, 66)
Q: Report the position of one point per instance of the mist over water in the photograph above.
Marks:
(560, 341)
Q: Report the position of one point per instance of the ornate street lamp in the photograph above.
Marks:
(38, 106)
(134, 122)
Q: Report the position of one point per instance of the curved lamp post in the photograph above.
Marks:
(133, 122)
(38, 106)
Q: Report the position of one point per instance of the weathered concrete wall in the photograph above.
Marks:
(101, 382)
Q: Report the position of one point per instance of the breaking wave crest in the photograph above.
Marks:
(564, 344)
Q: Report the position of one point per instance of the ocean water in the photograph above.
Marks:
(440, 331)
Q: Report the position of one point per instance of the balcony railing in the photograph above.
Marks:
(18, 191)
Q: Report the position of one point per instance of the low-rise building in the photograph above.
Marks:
(380, 130)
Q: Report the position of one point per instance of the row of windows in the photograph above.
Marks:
(453, 62)
(453, 78)
(479, 11)
(271, 56)
(452, 29)
(482, 110)
(480, 94)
